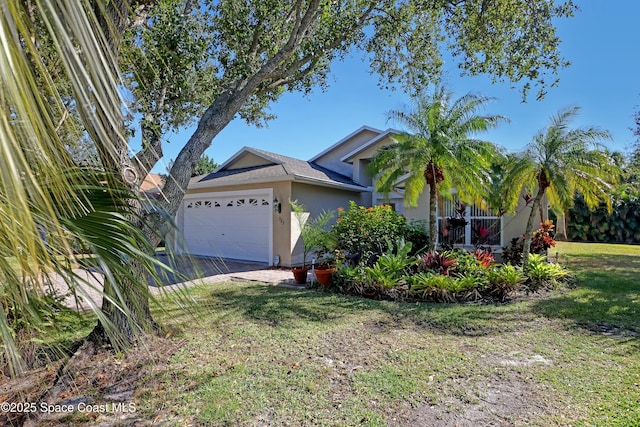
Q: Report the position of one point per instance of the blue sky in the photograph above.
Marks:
(601, 42)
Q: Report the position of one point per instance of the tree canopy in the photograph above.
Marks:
(210, 63)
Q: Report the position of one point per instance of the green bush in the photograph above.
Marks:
(543, 274)
(504, 280)
(541, 241)
(620, 226)
(364, 230)
(416, 233)
(390, 268)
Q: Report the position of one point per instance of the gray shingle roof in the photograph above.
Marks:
(282, 166)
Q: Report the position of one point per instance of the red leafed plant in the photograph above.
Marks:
(485, 257)
(438, 262)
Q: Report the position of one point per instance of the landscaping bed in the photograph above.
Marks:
(248, 354)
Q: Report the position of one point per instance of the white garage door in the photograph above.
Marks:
(235, 225)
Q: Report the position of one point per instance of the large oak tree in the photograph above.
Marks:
(211, 61)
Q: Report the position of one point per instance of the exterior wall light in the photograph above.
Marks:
(277, 206)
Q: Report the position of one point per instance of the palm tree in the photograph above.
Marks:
(46, 201)
(440, 152)
(560, 162)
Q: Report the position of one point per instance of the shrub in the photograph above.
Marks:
(620, 226)
(349, 280)
(417, 234)
(543, 274)
(470, 263)
(430, 286)
(438, 262)
(363, 231)
(391, 267)
(541, 241)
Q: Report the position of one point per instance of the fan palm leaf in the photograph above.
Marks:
(46, 202)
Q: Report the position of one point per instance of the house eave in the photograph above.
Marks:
(341, 186)
(348, 158)
(346, 138)
(214, 184)
(285, 178)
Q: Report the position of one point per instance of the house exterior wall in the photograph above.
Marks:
(331, 159)
(249, 160)
(515, 224)
(316, 200)
(281, 221)
(361, 161)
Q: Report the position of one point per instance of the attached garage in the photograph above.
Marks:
(233, 225)
(241, 211)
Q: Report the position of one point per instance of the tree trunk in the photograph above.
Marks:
(528, 234)
(561, 227)
(126, 310)
(433, 216)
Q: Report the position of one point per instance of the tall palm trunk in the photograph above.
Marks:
(433, 217)
(543, 183)
(433, 175)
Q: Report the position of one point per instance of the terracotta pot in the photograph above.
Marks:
(370, 293)
(300, 274)
(323, 275)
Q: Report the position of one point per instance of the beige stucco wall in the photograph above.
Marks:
(362, 159)
(315, 200)
(281, 221)
(514, 225)
(249, 160)
(331, 160)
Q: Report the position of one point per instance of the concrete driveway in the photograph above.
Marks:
(190, 270)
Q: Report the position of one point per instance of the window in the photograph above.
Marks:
(468, 224)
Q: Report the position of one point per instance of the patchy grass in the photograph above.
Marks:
(250, 354)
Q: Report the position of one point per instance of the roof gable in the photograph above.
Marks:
(372, 145)
(252, 164)
(364, 132)
(248, 157)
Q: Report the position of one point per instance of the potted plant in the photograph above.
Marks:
(326, 263)
(313, 234)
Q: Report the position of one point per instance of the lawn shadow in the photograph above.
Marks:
(606, 299)
(284, 307)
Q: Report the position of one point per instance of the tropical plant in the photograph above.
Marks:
(391, 266)
(429, 286)
(440, 152)
(363, 231)
(46, 201)
(541, 241)
(543, 274)
(598, 225)
(503, 280)
(438, 262)
(314, 232)
(559, 163)
(416, 233)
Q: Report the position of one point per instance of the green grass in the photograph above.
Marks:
(251, 354)
(260, 355)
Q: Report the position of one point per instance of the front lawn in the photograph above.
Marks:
(251, 354)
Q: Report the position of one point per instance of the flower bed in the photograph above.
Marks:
(449, 276)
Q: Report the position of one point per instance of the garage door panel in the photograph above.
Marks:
(229, 226)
